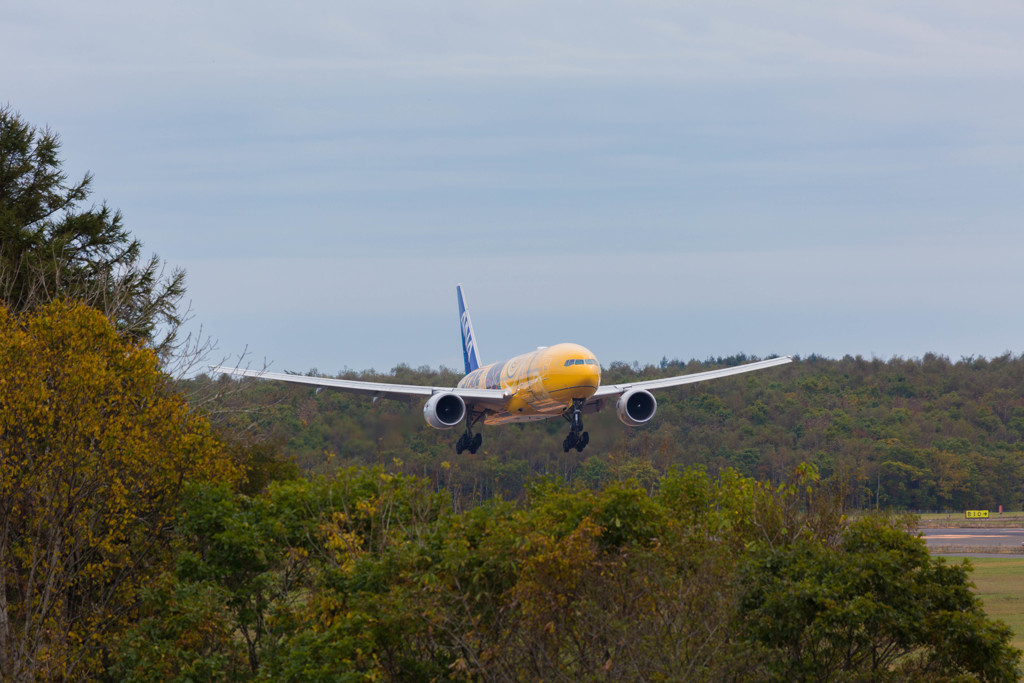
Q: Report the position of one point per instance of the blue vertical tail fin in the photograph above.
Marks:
(470, 354)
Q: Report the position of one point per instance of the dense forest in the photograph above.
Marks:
(368, 576)
(919, 434)
(160, 529)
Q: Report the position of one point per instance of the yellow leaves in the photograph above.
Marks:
(368, 506)
(554, 571)
(94, 450)
(344, 544)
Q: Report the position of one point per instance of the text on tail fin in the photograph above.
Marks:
(470, 354)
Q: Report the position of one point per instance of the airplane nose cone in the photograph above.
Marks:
(588, 375)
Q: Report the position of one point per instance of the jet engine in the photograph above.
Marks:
(444, 410)
(636, 407)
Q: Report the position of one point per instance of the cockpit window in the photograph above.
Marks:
(580, 361)
(591, 361)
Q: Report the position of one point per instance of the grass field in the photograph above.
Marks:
(1014, 520)
(1001, 586)
(993, 516)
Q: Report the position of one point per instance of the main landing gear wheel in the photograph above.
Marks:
(577, 441)
(469, 442)
(577, 438)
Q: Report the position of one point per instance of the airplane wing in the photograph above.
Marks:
(616, 389)
(482, 398)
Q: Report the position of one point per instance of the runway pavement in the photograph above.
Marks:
(979, 542)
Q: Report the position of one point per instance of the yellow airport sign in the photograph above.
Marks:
(976, 514)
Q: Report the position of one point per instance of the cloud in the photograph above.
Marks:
(857, 279)
(684, 163)
(597, 40)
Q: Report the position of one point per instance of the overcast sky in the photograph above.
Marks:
(648, 179)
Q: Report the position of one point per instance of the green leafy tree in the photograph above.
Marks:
(313, 579)
(184, 633)
(875, 606)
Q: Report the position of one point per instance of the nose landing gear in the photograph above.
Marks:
(577, 438)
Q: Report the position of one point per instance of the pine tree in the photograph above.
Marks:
(54, 246)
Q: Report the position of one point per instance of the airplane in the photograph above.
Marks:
(563, 380)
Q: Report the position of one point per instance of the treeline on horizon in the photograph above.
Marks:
(923, 434)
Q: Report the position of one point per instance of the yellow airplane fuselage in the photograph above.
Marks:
(540, 384)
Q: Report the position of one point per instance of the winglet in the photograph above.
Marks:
(470, 353)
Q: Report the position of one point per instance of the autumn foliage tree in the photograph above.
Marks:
(94, 453)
